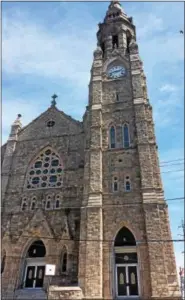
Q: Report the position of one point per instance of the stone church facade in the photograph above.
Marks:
(87, 196)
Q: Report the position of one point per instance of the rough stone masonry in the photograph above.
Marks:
(87, 196)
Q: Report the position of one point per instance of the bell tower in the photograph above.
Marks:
(123, 194)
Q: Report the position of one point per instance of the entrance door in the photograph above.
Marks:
(39, 276)
(34, 276)
(121, 281)
(127, 280)
(133, 280)
(30, 275)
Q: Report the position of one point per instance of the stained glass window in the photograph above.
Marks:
(126, 140)
(127, 184)
(46, 171)
(121, 278)
(115, 184)
(112, 137)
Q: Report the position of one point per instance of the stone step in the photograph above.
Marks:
(29, 294)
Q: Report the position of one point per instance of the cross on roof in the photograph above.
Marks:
(53, 102)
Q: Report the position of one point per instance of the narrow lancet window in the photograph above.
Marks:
(126, 140)
(112, 137)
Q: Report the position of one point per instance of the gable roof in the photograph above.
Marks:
(54, 108)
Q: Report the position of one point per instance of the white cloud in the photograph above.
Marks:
(168, 88)
(165, 110)
(29, 48)
(151, 25)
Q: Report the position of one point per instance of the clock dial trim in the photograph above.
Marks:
(116, 72)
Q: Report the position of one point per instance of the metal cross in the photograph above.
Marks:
(53, 102)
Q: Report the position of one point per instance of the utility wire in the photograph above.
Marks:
(79, 207)
(93, 240)
(167, 165)
(167, 161)
(103, 205)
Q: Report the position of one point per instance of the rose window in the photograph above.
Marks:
(46, 171)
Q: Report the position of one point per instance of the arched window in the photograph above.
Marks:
(37, 249)
(64, 260)
(115, 184)
(127, 184)
(57, 203)
(24, 204)
(3, 260)
(48, 204)
(45, 171)
(126, 264)
(124, 238)
(35, 265)
(112, 136)
(126, 139)
(33, 205)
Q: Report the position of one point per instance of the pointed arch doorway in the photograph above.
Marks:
(126, 265)
(35, 265)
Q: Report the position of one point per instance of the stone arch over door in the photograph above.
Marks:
(33, 268)
(125, 265)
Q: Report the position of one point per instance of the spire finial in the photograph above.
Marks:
(17, 120)
(53, 102)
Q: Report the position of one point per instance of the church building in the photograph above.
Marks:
(86, 198)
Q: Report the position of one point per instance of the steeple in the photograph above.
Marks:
(16, 126)
(115, 10)
(116, 31)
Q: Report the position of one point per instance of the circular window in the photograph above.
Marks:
(38, 164)
(55, 162)
(35, 180)
(47, 162)
(48, 152)
(53, 178)
(50, 123)
(46, 165)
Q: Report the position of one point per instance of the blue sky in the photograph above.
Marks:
(48, 48)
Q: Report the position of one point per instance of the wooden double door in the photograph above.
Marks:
(127, 280)
(34, 276)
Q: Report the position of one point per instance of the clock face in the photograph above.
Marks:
(116, 72)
